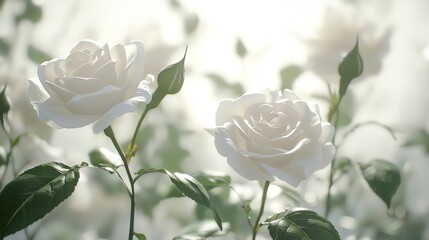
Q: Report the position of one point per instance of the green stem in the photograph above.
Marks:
(122, 181)
(109, 133)
(136, 131)
(331, 173)
(261, 209)
(244, 205)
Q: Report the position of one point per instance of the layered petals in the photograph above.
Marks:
(273, 134)
(94, 84)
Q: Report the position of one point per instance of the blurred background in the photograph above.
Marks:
(233, 47)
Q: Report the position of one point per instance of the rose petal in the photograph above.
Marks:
(276, 159)
(133, 73)
(143, 95)
(288, 94)
(107, 73)
(328, 155)
(229, 108)
(290, 174)
(80, 85)
(118, 53)
(76, 59)
(103, 57)
(239, 163)
(303, 111)
(327, 132)
(60, 92)
(97, 102)
(58, 116)
(86, 45)
(84, 70)
(247, 132)
(46, 73)
(309, 158)
(36, 93)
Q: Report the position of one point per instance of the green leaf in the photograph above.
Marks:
(191, 188)
(140, 236)
(191, 23)
(288, 75)
(240, 48)
(35, 193)
(36, 55)
(350, 68)
(342, 164)
(383, 177)
(208, 180)
(4, 47)
(200, 231)
(300, 224)
(223, 85)
(212, 180)
(105, 159)
(32, 12)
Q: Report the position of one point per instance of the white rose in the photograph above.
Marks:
(273, 134)
(94, 84)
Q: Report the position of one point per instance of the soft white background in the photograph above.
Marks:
(313, 34)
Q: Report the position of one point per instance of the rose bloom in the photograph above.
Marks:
(94, 84)
(271, 134)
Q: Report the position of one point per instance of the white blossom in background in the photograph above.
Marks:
(336, 35)
(273, 134)
(94, 84)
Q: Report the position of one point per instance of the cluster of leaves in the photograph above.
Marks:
(33, 13)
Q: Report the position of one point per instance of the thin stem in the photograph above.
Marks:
(245, 206)
(136, 131)
(261, 209)
(122, 181)
(331, 173)
(109, 133)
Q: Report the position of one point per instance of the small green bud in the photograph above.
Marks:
(171, 78)
(351, 67)
(4, 104)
